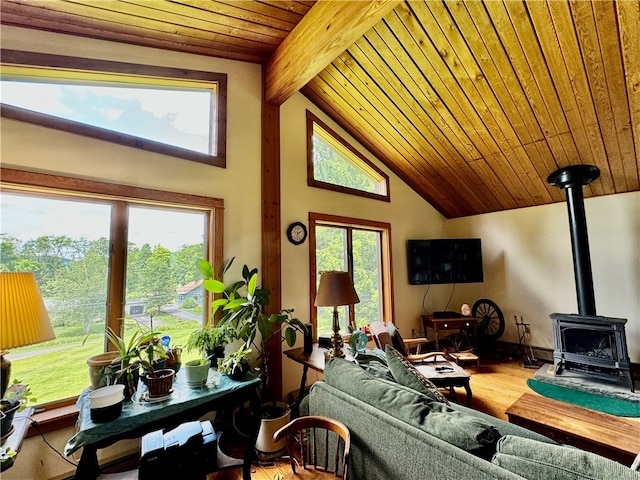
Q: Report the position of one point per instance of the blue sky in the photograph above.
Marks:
(27, 218)
(178, 117)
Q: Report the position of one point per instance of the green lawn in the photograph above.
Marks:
(59, 369)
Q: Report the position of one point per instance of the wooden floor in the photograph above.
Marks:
(495, 386)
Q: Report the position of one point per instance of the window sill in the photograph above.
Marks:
(53, 419)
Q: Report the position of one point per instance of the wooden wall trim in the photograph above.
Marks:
(271, 235)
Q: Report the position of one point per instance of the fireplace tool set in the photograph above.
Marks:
(528, 361)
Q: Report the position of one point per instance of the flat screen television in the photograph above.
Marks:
(446, 260)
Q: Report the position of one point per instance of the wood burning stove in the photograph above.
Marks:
(594, 344)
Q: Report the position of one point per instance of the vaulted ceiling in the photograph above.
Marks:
(473, 104)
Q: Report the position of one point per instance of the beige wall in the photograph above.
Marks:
(528, 265)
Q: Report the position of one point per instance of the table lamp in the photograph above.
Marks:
(23, 317)
(336, 289)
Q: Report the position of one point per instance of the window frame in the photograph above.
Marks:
(354, 156)
(61, 62)
(320, 219)
(20, 181)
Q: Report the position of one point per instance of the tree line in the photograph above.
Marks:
(73, 274)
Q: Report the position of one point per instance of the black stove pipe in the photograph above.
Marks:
(572, 179)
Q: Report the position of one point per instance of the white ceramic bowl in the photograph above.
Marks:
(106, 396)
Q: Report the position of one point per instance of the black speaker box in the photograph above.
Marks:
(308, 338)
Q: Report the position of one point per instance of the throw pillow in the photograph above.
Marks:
(406, 374)
(542, 461)
(396, 338)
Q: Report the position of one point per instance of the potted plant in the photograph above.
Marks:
(210, 341)
(130, 358)
(152, 354)
(241, 305)
(197, 371)
(174, 358)
(15, 399)
(236, 364)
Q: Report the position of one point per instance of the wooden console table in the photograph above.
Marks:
(613, 437)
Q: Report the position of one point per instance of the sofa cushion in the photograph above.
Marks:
(404, 403)
(463, 430)
(406, 374)
(468, 432)
(542, 461)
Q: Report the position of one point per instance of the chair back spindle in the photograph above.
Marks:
(318, 447)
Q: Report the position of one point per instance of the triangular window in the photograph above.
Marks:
(335, 165)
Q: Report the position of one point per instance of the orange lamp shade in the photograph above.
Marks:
(23, 317)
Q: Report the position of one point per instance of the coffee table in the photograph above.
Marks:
(617, 438)
(445, 374)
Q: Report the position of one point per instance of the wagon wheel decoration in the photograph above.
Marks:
(491, 325)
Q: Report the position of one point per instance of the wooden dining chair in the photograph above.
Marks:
(410, 348)
(318, 448)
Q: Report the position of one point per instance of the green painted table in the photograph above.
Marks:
(139, 417)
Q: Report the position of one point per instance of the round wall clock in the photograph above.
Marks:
(297, 233)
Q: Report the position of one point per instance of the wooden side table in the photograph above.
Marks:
(617, 438)
(314, 360)
(458, 323)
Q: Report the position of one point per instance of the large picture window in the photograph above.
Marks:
(103, 256)
(170, 111)
(362, 248)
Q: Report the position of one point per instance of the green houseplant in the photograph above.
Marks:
(236, 364)
(241, 305)
(210, 341)
(132, 355)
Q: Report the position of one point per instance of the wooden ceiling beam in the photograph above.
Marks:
(324, 33)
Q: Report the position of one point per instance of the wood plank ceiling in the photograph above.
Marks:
(472, 103)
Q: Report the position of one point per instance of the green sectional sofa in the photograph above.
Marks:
(399, 433)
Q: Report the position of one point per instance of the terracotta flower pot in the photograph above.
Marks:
(101, 370)
(174, 359)
(160, 382)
